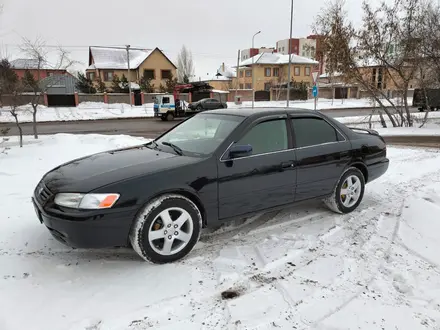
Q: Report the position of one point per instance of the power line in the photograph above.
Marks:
(209, 55)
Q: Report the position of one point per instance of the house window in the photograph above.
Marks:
(166, 74)
(276, 72)
(283, 49)
(248, 86)
(248, 73)
(267, 72)
(267, 86)
(307, 71)
(241, 86)
(108, 75)
(149, 74)
(91, 76)
(49, 74)
(297, 71)
(373, 76)
(241, 74)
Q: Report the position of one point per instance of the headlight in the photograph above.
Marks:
(86, 201)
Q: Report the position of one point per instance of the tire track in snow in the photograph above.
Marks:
(352, 227)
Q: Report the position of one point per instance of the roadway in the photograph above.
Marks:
(146, 127)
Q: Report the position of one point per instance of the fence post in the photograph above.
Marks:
(105, 97)
(142, 98)
(46, 101)
(76, 99)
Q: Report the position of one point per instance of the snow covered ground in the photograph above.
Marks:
(94, 111)
(300, 268)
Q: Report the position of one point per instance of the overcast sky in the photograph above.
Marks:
(212, 30)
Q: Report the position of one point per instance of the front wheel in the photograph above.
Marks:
(348, 192)
(167, 229)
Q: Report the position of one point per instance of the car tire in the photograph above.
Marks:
(167, 223)
(169, 116)
(199, 108)
(353, 183)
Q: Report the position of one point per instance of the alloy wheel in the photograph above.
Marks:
(170, 231)
(350, 191)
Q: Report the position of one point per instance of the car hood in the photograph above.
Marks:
(92, 172)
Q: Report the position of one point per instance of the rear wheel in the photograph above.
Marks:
(169, 116)
(348, 192)
(167, 229)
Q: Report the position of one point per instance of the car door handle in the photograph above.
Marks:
(286, 165)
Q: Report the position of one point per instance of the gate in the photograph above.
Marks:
(262, 96)
(137, 98)
(197, 96)
(61, 100)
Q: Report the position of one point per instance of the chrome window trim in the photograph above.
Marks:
(291, 149)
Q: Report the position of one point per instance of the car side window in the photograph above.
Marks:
(265, 137)
(313, 131)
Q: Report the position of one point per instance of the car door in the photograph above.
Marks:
(215, 104)
(263, 179)
(322, 155)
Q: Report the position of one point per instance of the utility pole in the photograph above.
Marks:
(290, 55)
(238, 79)
(253, 75)
(128, 78)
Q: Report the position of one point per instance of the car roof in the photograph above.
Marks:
(260, 112)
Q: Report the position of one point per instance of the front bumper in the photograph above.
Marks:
(103, 229)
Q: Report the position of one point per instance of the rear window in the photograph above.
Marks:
(313, 131)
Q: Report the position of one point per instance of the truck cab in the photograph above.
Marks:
(165, 107)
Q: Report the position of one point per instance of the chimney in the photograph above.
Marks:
(223, 67)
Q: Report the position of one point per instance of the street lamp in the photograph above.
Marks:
(253, 75)
(290, 55)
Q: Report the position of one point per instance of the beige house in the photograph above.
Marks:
(271, 70)
(109, 62)
(223, 79)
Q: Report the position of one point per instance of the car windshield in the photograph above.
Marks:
(200, 135)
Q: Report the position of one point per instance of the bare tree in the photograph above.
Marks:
(278, 81)
(384, 50)
(14, 112)
(185, 65)
(37, 53)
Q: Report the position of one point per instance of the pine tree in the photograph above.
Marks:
(145, 85)
(163, 89)
(84, 84)
(8, 78)
(124, 84)
(170, 84)
(29, 81)
(100, 85)
(116, 84)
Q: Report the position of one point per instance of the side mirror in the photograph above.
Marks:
(237, 151)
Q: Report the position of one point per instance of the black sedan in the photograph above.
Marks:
(207, 104)
(211, 168)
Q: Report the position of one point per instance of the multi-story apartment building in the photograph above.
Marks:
(307, 47)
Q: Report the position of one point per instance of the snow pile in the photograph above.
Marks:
(303, 267)
(98, 110)
(84, 111)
